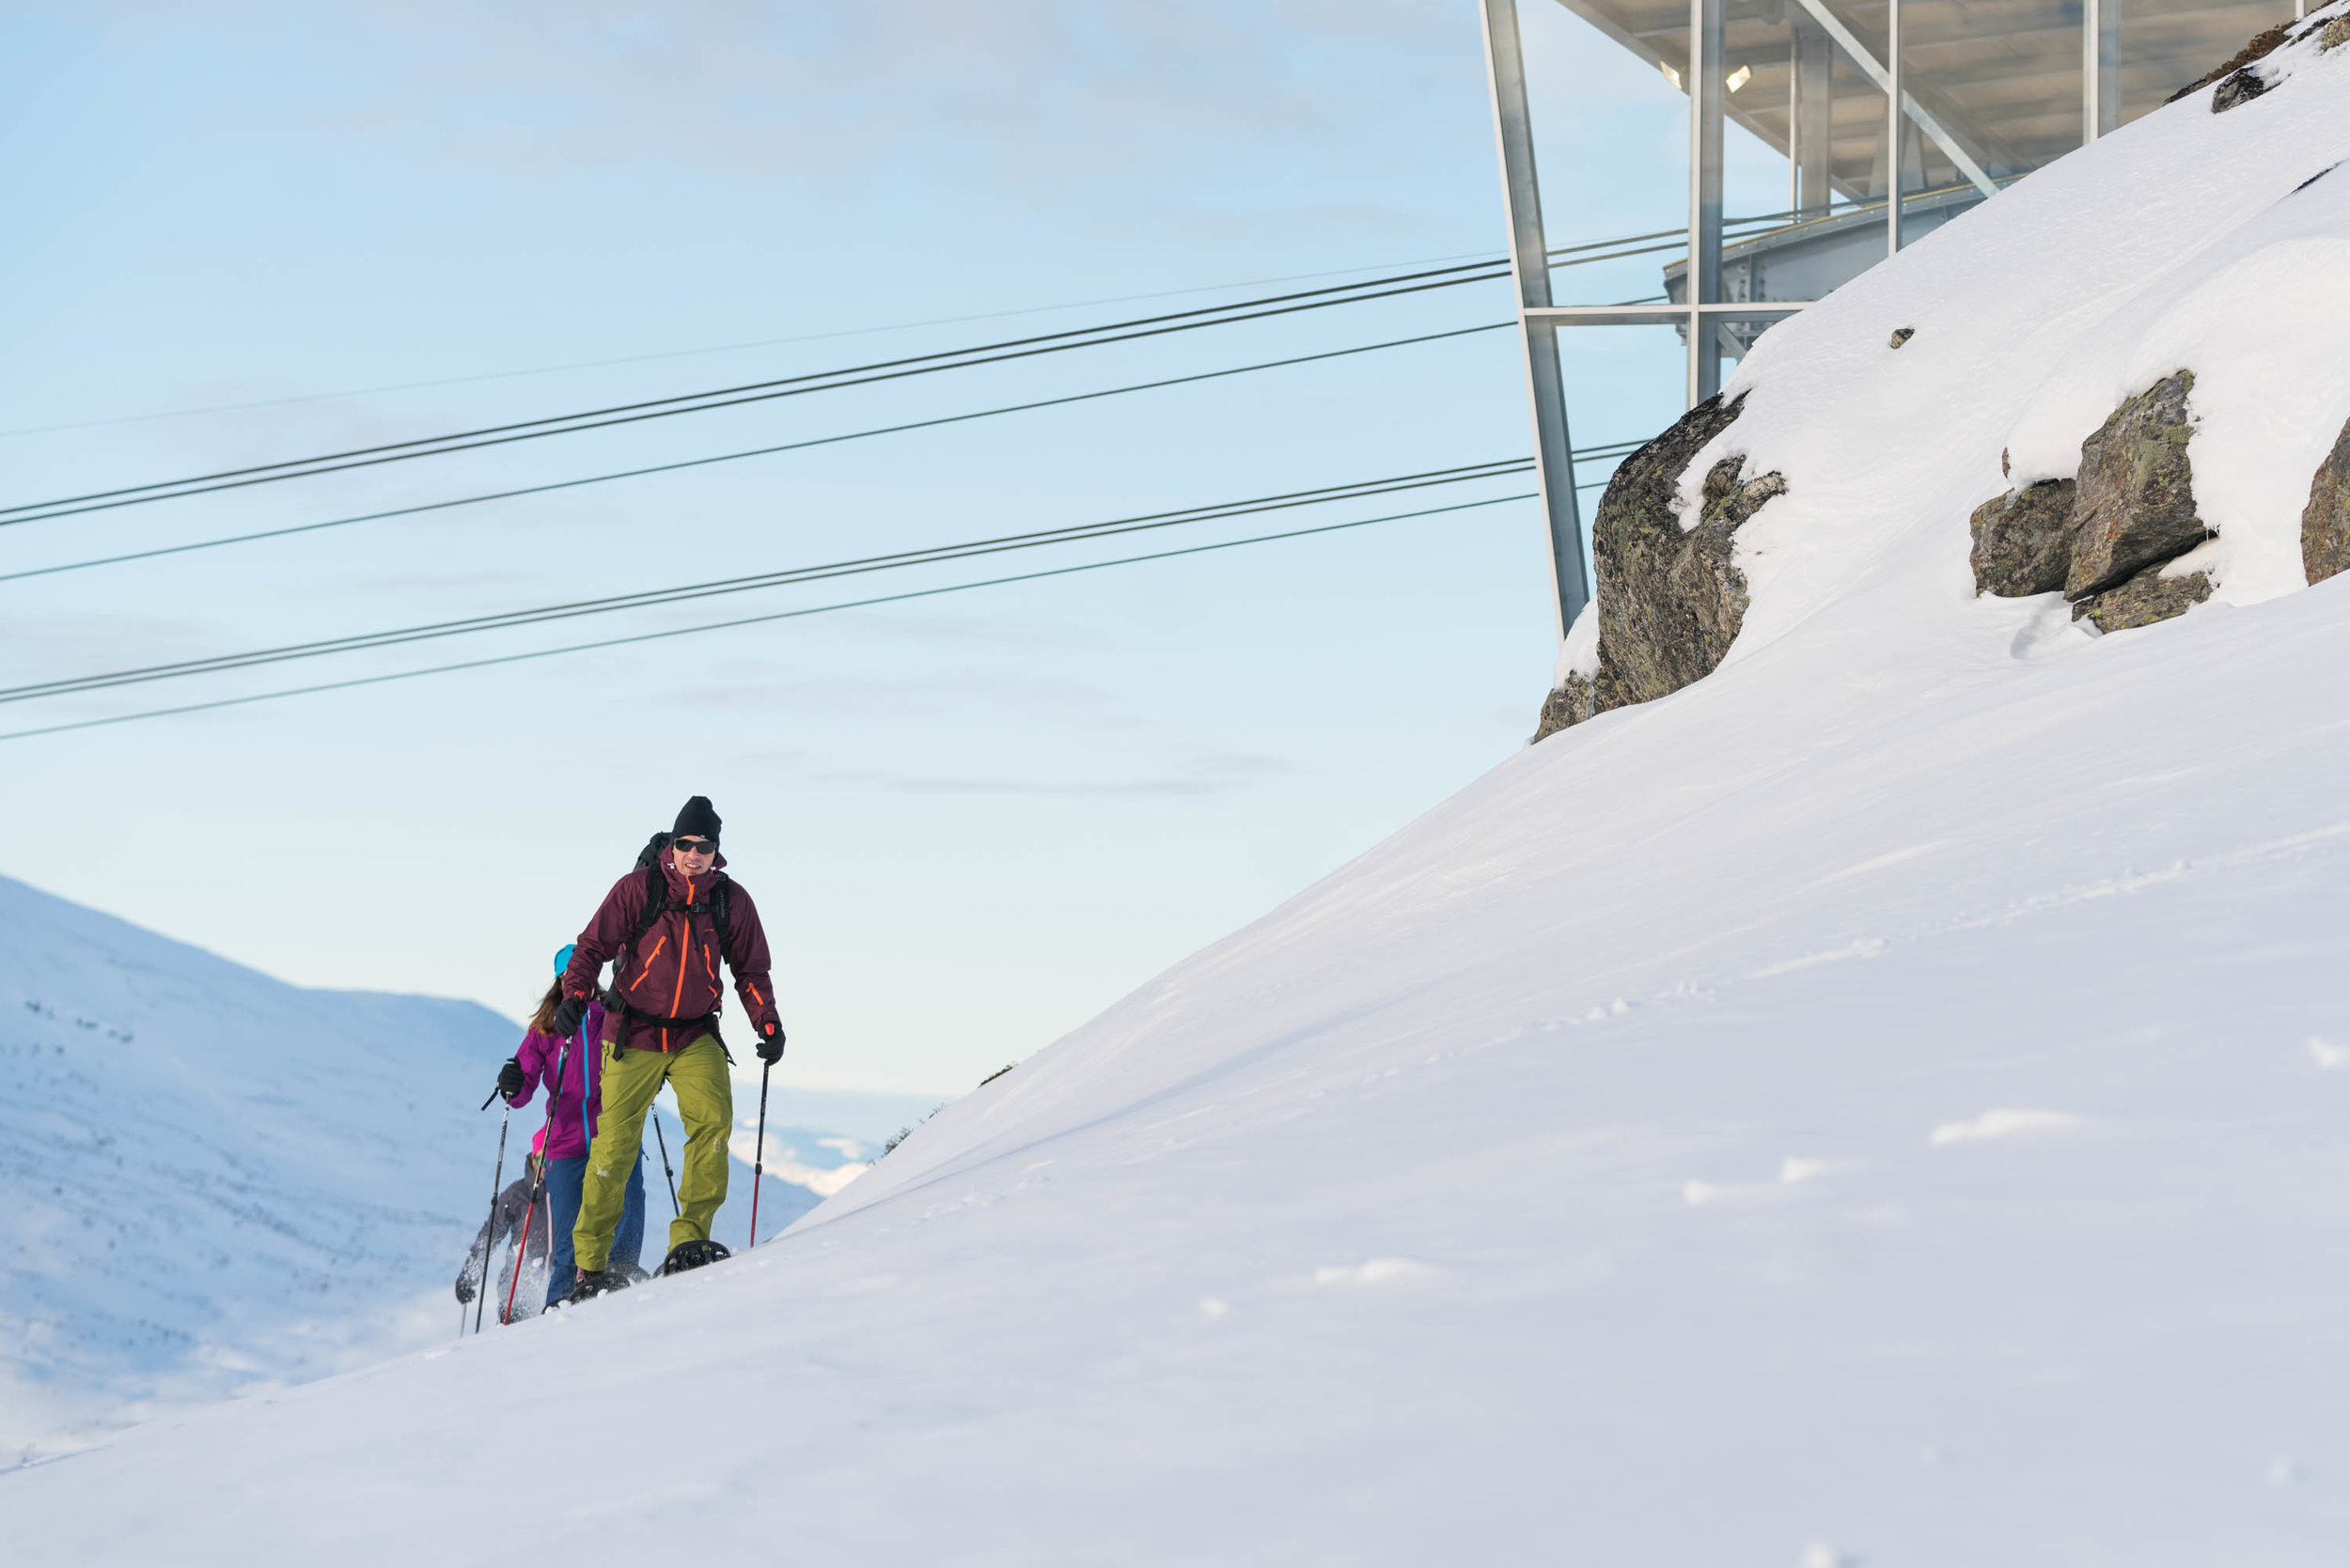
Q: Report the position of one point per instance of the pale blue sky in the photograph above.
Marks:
(972, 820)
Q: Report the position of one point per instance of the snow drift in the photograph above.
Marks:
(1883, 1102)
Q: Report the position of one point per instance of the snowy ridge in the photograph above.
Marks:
(215, 1182)
(1884, 1103)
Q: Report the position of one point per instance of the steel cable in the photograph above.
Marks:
(650, 598)
(745, 620)
(683, 463)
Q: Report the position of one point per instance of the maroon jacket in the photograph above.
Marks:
(674, 973)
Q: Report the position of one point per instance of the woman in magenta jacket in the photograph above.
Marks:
(571, 1122)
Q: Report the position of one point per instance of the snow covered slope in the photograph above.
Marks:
(1887, 1103)
(213, 1180)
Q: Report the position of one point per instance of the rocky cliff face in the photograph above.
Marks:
(2110, 538)
(2325, 521)
(1670, 599)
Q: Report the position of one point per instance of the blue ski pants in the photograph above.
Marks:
(565, 1181)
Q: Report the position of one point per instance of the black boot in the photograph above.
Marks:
(692, 1254)
(595, 1282)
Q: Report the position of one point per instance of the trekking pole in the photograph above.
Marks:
(489, 1227)
(759, 1152)
(521, 1255)
(538, 1185)
(661, 1139)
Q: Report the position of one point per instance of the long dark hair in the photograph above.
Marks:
(543, 1021)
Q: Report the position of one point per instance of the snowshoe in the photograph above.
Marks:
(597, 1282)
(636, 1276)
(693, 1255)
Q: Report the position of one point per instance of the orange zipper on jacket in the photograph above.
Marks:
(677, 999)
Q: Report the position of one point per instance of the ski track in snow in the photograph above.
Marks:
(1878, 1105)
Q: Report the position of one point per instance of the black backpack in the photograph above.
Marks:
(657, 904)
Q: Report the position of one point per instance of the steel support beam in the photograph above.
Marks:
(1529, 266)
(2101, 68)
(1703, 281)
(1665, 315)
(1810, 126)
(1894, 125)
(1960, 156)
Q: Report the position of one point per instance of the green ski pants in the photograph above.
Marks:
(705, 1103)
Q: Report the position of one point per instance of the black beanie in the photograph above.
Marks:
(699, 819)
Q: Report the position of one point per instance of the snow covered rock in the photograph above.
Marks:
(1670, 598)
(2108, 540)
(2262, 45)
(2239, 88)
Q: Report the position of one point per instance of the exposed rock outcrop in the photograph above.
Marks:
(1670, 598)
(2325, 521)
(2143, 600)
(2105, 538)
(2239, 80)
(1569, 704)
(2262, 45)
(2135, 506)
(1677, 600)
(2023, 540)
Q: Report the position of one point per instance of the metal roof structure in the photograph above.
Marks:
(1893, 115)
(2002, 77)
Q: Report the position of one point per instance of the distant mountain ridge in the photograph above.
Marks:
(216, 1179)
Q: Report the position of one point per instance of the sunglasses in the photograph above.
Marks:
(694, 846)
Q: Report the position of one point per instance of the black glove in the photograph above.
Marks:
(464, 1289)
(510, 1079)
(567, 1015)
(771, 1043)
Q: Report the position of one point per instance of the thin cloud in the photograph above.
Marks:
(1208, 776)
(1024, 93)
(914, 696)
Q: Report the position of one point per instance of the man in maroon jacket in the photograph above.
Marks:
(667, 928)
